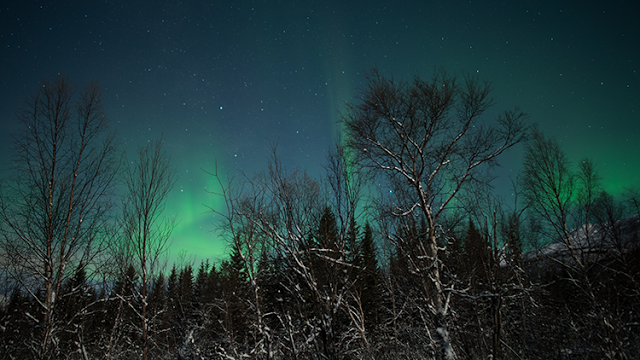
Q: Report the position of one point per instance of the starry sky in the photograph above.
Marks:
(221, 80)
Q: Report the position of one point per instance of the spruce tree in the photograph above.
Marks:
(185, 283)
(475, 247)
(234, 293)
(159, 321)
(201, 285)
(326, 247)
(370, 278)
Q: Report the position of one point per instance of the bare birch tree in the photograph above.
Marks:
(565, 200)
(56, 205)
(146, 232)
(285, 218)
(430, 135)
(248, 244)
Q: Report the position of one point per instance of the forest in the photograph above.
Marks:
(404, 250)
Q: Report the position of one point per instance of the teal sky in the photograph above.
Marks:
(221, 80)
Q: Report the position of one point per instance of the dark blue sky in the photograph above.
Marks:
(220, 80)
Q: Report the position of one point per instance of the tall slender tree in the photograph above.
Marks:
(476, 253)
(370, 276)
(54, 208)
(146, 232)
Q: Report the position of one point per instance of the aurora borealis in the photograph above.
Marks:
(220, 81)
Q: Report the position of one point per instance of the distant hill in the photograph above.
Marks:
(591, 243)
(623, 234)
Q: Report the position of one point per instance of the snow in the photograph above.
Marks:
(593, 238)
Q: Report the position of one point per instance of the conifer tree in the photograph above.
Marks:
(185, 296)
(202, 283)
(158, 295)
(326, 249)
(234, 293)
(77, 298)
(475, 247)
(328, 233)
(370, 278)
(173, 289)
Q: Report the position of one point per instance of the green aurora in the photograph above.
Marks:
(220, 82)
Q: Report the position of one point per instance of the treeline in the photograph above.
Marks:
(204, 311)
(342, 305)
(401, 251)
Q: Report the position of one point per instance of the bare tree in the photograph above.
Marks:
(345, 193)
(146, 232)
(549, 184)
(555, 194)
(346, 184)
(287, 215)
(632, 198)
(564, 200)
(56, 205)
(430, 136)
(286, 219)
(248, 244)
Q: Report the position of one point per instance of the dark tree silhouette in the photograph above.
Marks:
(146, 232)
(54, 207)
(548, 183)
(476, 252)
(369, 282)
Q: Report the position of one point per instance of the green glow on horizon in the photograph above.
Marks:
(616, 162)
(190, 203)
(194, 233)
(616, 181)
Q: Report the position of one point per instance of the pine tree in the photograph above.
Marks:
(237, 265)
(328, 233)
(185, 297)
(201, 284)
(269, 284)
(121, 315)
(213, 285)
(73, 293)
(370, 278)
(173, 308)
(173, 291)
(158, 295)
(234, 293)
(159, 322)
(326, 247)
(476, 251)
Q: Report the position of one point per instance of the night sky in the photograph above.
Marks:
(220, 80)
